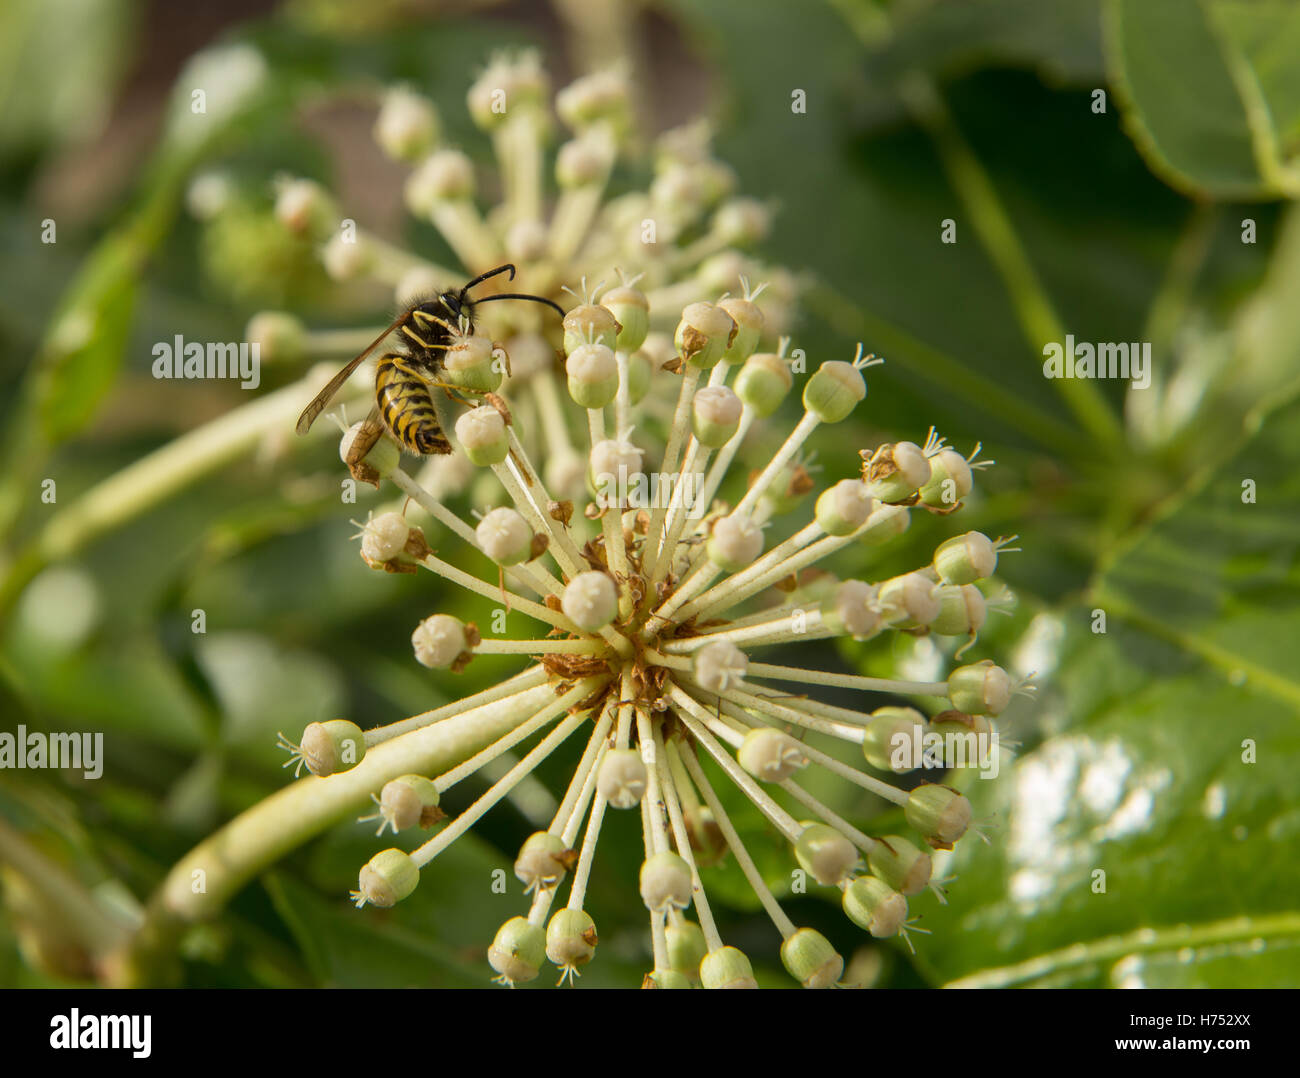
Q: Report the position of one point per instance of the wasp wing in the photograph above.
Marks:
(326, 395)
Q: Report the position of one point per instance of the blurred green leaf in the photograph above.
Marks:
(1210, 91)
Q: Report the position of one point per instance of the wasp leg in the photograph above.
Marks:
(424, 316)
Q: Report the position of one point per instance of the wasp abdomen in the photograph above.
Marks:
(407, 406)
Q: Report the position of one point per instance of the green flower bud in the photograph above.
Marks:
(952, 722)
(949, 482)
(961, 610)
(899, 864)
(896, 472)
(666, 978)
(441, 642)
(333, 746)
(941, 814)
(407, 125)
(543, 860)
(891, 738)
(844, 508)
(749, 327)
(909, 601)
(727, 967)
(665, 882)
(853, 608)
(811, 960)
(704, 334)
(834, 390)
(408, 801)
(886, 522)
(715, 413)
(632, 310)
(518, 950)
(470, 365)
(720, 666)
(387, 878)
(640, 369)
(771, 755)
(384, 456)
(874, 905)
(686, 946)
(980, 689)
(622, 778)
(590, 600)
(734, 543)
(570, 938)
(825, 854)
(763, 382)
(505, 536)
(482, 434)
(964, 559)
(590, 323)
(280, 337)
(788, 489)
(593, 375)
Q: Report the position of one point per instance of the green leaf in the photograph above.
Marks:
(1210, 92)
(1174, 773)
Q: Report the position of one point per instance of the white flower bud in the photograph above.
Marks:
(590, 600)
(408, 801)
(345, 258)
(811, 960)
(445, 176)
(565, 473)
(704, 334)
(332, 746)
(910, 600)
(482, 434)
(844, 508)
(854, 608)
(593, 375)
(383, 538)
(504, 536)
(208, 195)
(279, 337)
(571, 938)
(584, 160)
(720, 666)
(771, 755)
(742, 221)
(417, 283)
(665, 882)
(749, 327)
(302, 206)
(527, 241)
(543, 860)
(407, 125)
(590, 323)
(613, 464)
(716, 415)
(508, 84)
(439, 641)
(603, 97)
(735, 542)
(825, 854)
(622, 778)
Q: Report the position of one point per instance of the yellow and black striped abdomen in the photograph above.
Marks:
(407, 408)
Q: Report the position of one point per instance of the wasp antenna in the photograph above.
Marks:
(521, 295)
(508, 267)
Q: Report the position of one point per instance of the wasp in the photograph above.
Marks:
(405, 379)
